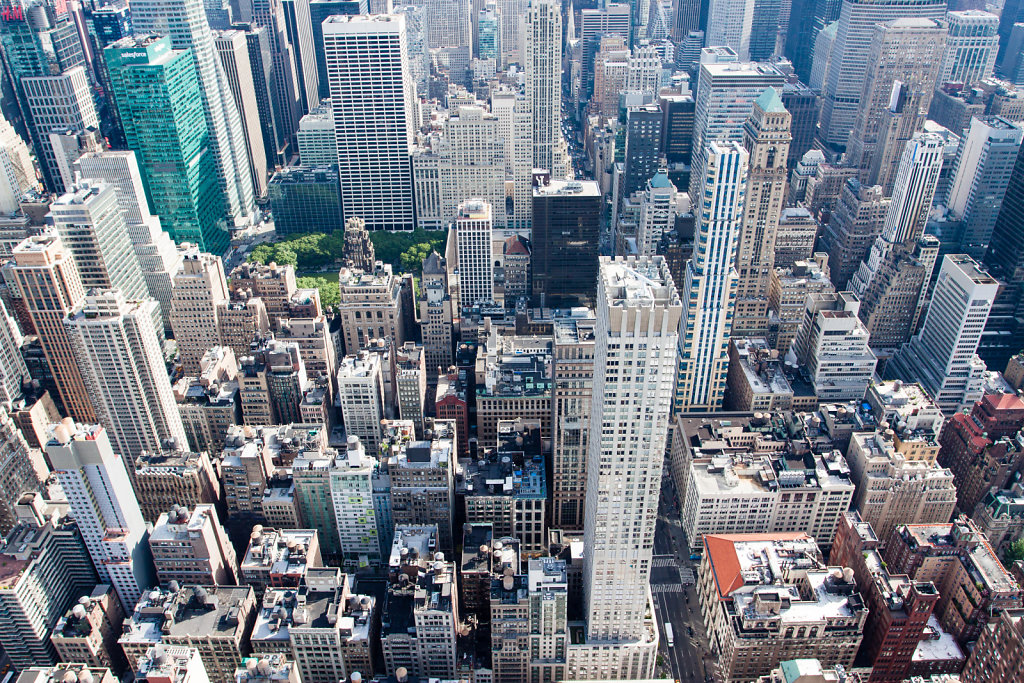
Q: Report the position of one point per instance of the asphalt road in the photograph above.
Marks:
(688, 660)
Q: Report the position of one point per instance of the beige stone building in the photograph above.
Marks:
(214, 620)
(768, 598)
(192, 548)
(89, 631)
(241, 321)
(174, 477)
(787, 291)
(370, 306)
(274, 284)
(199, 290)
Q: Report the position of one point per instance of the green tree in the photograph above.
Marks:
(1015, 552)
(412, 258)
(329, 294)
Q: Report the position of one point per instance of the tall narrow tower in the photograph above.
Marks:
(476, 263)
(710, 282)
(185, 22)
(638, 313)
(543, 67)
(104, 506)
(51, 288)
(766, 137)
(123, 368)
(374, 122)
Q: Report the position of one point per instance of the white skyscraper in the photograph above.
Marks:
(638, 313)
(473, 227)
(710, 281)
(17, 174)
(971, 47)
(233, 51)
(59, 104)
(847, 67)
(726, 91)
(123, 368)
(942, 356)
(89, 220)
(916, 180)
(104, 506)
(981, 175)
(448, 23)
(543, 70)
(729, 23)
(199, 289)
(657, 213)
(515, 132)
(13, 371)
(374, 117)
(185, 22)
(158, 256)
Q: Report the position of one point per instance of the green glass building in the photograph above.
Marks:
(157, 92)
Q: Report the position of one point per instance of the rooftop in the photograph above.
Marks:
(212, 610)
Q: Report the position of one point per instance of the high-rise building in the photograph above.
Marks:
(710, 281)
(233, 51)
(371, 306)
(48, 570)
(832, 347)
(902, 64)
(372, 102)
(103, 504)
(613, 19)
(316, 139)
(892, 280)
(638, 312)
(156, 89)
(186, 26)
(542, 56)
(361, 393)
(844, 77)
(305, 199)
(60, 104)
(943, 355)
(285, 65)
(51, 288)
(766, 138)
(92, 227)
(657, 213)
(158, 257)
(566, 225)
(643, 145)
(122, 365)
(726, 90)
(750, 27)
(18, 475)
(971, 47)
(198, 289)
(13, 370)
(981, 174)
(319, 11)
(476, 262)
(261, 62)
(192, 548)
(993, 660)
(857, 221)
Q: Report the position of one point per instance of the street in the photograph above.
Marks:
(673, 585)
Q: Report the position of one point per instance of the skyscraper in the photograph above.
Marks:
(766, 139)
(299, 29)
(184, 21)
(473, 226)
(285, 62)
(903, 63)
(729, 23)
(199, 288)
(51, 288)
(90, 223)
(374, 120)
(981, 174)
(643, 142)
(566, 226)
(892, 280)
(726, 90)
(710, 281)
(319, 11)
(657, 213)
(123, 368)
(60, 103)
(847, 68)
(103, 504)
(942, 356)
(971, 47)
(542, 53)
(638, 314)
(157, 254)
(158, 95)
(233, 52)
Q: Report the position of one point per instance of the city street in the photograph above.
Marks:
(675, 599)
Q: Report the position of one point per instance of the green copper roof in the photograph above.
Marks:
(769, 101)
(660, 179)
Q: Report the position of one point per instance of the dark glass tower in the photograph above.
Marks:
(566, 226)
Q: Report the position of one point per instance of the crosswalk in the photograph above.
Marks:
(663, 561)
(666, 588)
(687, 577)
